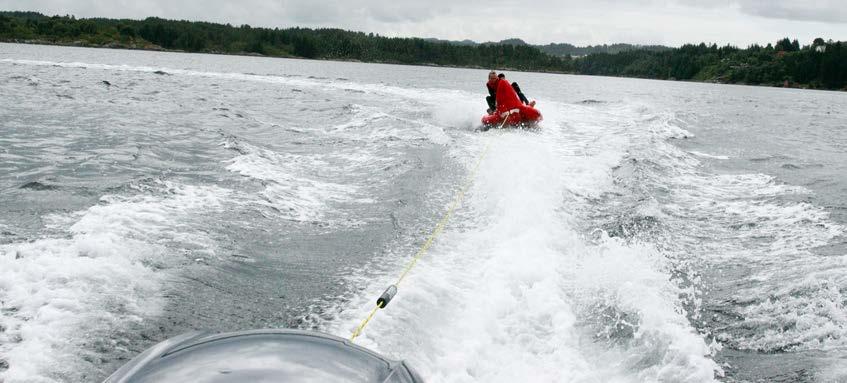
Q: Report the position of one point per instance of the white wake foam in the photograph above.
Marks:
(511, 292)
(57, 294)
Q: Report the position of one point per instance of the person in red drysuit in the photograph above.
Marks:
(510, 107)
(491, 85)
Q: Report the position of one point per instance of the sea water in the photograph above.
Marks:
(649, 231)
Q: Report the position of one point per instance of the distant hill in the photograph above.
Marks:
(512, 41)
(821, 64)
(565, 49)
(463, 42)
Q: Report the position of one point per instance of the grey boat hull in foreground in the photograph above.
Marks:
(261, 356)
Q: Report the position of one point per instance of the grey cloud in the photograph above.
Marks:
(326, 12)
(830, 11)
(392, 11)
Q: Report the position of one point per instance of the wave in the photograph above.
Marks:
(435, 97)
(744, 244)
(711, 156)
(288, 186)
(59, 294)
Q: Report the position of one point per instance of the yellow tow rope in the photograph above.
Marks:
(439, 227)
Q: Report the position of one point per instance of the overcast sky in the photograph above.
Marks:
(581, 22)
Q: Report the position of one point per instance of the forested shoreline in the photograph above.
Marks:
(818, 65)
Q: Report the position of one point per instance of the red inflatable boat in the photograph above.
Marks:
(510, 110)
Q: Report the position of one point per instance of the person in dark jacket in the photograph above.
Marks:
(492, 91)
